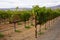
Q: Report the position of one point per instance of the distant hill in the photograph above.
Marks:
(14, 8)
(53, 7)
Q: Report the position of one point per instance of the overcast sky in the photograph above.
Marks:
(27, 3)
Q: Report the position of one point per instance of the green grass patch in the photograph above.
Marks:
(1, 35)
(45, 28)
(17, 31)
(40, 33)
(27, 27)
(32, 24)
(19, 23)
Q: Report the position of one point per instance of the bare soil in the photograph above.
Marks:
(28, 34)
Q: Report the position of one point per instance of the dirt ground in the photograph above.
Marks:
(25, 34)
(53, 33)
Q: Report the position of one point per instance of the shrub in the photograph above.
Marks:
(27, 27)
(1, 35)
(17, 31)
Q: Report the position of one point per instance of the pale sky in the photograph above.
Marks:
(27, 3)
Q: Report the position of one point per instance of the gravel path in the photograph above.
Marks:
(53, 33)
